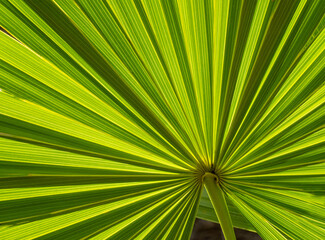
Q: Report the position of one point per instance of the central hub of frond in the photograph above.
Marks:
(211, 175)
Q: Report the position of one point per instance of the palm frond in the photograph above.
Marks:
(111, 112)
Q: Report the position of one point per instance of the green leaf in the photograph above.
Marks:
(111, 113)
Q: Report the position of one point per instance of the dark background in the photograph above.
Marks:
(205, 230)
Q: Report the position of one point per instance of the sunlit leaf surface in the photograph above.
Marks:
(111, 112)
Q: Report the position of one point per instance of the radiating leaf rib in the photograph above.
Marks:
(304, 151)
(133, 223)
(219, 43)
(266, 88)
(262, 226)
(189, 209)
(262, 97)
(44, 118)
(57, 83)
(104, 74)
(42, 226)
(23, 153)
(293, 225)
(304, 206)
(166, 216)
(255, 28)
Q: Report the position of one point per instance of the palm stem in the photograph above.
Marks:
(219, 204)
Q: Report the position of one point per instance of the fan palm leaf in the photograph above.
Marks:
(114, 115)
